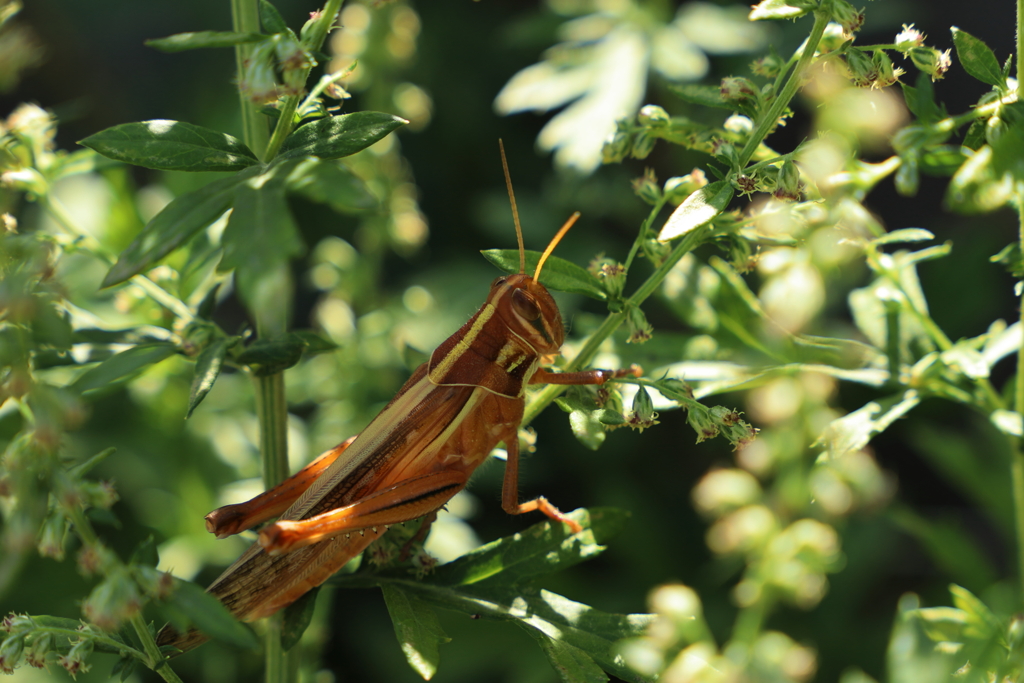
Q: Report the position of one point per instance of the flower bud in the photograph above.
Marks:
(769, 66)
(307, 28)
(699, 417)
(639, 329)
(788, 187)
(74, 661)
(11, 651)
(643, 145)
(41, 646)
(617, 147)
(653, 116)
(863, 71)
(643, 415)
(52, 536)
(833, 38)
(908, 38)
(846, 16)
(739, 124)
(646, 187)
(930, 61)
(115, 600)
(737, 89)
(887, 74)
(680, 187)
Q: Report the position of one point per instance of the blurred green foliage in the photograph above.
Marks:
(865, 343)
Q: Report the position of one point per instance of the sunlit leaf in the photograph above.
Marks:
(208, 366)
(558, 274)
(339, 136)
(418, 631)
(120, 368)
(172, 146)
(977, 58)
(696, 210)
(852, 432)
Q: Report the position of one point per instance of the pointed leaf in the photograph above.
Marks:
(697, 210)
(775, 9)
(208, 365)
(172, 146)
(981, 622)
(179, 220)
(558, 274)
(418, 631)
(339, 136)
(122, 367)
(331, 183)
(180, 42)
(904, 235)
(587, 428)
(572, 664)
(297, 617)
(704, 95)
(270, 356)
(271, 18)
(977, 58)
(542, 549)
(260, 238)
(210, 616)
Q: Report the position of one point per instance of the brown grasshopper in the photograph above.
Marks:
(412, 458)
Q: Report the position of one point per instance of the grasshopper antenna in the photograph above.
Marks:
(515, 211)
(554, 243)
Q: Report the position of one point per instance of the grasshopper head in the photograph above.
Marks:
(529, 311)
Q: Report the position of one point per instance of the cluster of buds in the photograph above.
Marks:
(875, 71)
(719, 420)
(28, 642)
(737, 89)
(931, 61)
(611, 273)
(280, 54)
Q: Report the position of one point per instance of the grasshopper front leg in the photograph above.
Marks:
(233, 519)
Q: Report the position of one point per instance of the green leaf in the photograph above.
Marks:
(122, 367)
(981, 623)
(558, 274)
(271, 18)
(339, 136)
(920, 99)
(208, 366)
(542, 549)
(942, 161)
(297, 617)
(210, 616)
(418, 631)
(696, 210)
(1007, 141)
(313, 342)
(852, 432)
(587, 428)
(904, 235)
(775, 9)
(171, 146)
(977, 58)
(260, 238)
(270, 356)
(704, 95)
(975, 135)
(333, 184)
(572, 664)
(177, 222)
(180, 42)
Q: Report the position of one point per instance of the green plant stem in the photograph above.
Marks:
(158, 661)
(1017, 442)
(286, 121)
(245, 18)
(770, 119)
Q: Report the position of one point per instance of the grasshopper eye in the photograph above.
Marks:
(525, 306)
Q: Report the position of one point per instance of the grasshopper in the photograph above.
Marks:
(412, 458)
